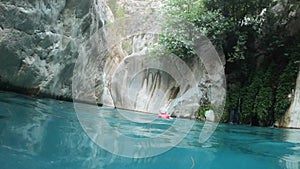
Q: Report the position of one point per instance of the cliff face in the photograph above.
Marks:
(291, 119)
(129, 76)
(39, 41)
(292, 116)
(294, 111)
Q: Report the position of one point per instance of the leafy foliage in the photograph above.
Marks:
(262, 58)
(202, 110)
(287, 82)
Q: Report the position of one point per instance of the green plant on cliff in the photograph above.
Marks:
(263, 101)
(232, 98)
(284, 92)
(116, 8)
(249, 96)
(191, 18)
(262, 58)
(201, 113)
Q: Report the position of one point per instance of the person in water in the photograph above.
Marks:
(163, 114)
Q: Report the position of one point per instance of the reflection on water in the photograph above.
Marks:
(292, 160)
(44, 133)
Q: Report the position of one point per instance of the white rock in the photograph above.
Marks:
(209, 115)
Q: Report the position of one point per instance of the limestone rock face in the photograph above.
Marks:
(209, 115)
(132, 76)
(39, 41)
(123, 8)
(293, 26)
(292, 116)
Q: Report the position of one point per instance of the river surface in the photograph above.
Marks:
(48, 134)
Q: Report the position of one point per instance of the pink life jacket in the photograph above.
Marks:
(163, 115)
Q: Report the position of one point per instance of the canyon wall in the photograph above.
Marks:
(39, 42)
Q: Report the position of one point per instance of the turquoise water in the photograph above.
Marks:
(46, 134)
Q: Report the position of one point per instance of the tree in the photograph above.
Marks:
(262, 58)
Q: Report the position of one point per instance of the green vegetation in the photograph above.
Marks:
(116, 10)
(201, 113)
(262, 56)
